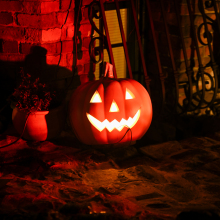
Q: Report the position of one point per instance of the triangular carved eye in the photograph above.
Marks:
(129, 94)
(96, 98)
(114, 107)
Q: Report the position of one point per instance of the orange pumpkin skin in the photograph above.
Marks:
(114, 104)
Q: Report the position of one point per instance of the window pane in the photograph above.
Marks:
(115, 37)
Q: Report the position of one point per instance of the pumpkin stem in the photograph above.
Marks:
(108, 70)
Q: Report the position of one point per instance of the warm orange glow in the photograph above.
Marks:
(114, 124)
(114, 107)
(129, 94)
(96, 98)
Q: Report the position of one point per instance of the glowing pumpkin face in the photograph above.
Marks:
(102, 111)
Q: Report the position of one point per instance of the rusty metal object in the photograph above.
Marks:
(123, 39)
(147, 79)
(111, 58)
(212, 63)
(203, 82)
(176, 74)
(187, 86)
(94, 51)
(104, 39)
(161, 74)
(199, 96)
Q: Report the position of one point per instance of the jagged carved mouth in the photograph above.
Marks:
(114, 124)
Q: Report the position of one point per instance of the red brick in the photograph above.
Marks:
(55, 60)
(6, 18)
(184, 10)
(67, 46)
(61, 18)
(194, 8)
(52, 48)
(80, 69)
(63, 61)
(83, 57)
(70, 18)
(188, 42)
(85, 14)
(33, 35)
(186, 31)
(58, 47)
(1, 45)
(178, 54)
(84, 78)
(31, 7)
(185, 20)
(70, 68)
(3, 57)
(12, 33)
(10, 6)
(51, 35)
(63, 32)
(86, 2)
(10, 47)
(25, 48)
(52, 60)
(70, 32)
(86, 57)
(181, 67)
(48, 7)
(37, 21)
(65, 5)
(16, 57)
(69, 59)
(198, 19)
(207, 52)
(171, 19)
(87, 68)
(85, 30)
(86, 42)
(205, 60)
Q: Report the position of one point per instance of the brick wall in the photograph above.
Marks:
(39, 35)
(50, 26)
(176, 42)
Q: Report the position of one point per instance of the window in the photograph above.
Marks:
(116, 41)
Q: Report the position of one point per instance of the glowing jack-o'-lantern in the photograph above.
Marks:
(102, 111)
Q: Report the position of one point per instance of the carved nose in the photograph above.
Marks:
(114, 107)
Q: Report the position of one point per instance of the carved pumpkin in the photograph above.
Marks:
(102, 111)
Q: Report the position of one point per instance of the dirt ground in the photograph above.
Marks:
(64, 179)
